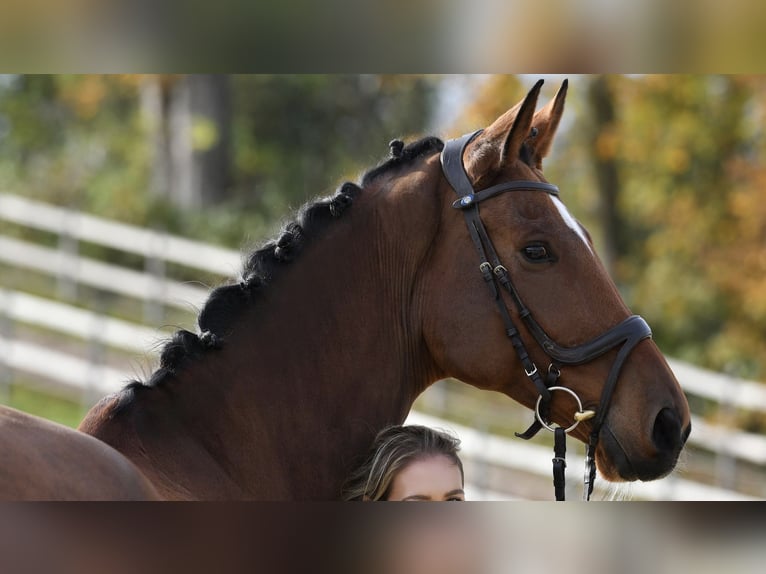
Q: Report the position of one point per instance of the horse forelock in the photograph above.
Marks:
(226, 303)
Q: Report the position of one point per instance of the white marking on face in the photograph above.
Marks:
(570, 221)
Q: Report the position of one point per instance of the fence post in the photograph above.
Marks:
(725, 463)
(66, 277)
(154, 309)
(96, 352)
(482, 470)
(6, 335)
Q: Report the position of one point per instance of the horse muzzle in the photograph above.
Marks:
(618, 461)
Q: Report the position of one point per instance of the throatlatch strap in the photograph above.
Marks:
(559, 462)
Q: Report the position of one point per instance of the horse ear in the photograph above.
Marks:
(545, 122)
(502, 140)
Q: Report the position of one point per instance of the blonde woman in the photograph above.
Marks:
(409, 463)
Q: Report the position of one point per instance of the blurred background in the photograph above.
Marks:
(124, 198)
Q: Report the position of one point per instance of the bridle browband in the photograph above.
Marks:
(625, 335)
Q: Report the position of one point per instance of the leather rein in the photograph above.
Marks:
(626, 334)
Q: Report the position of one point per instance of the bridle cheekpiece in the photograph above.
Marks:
(625, 335)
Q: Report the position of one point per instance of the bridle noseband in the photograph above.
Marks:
(625, 335)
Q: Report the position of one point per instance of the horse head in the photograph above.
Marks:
(509, 257)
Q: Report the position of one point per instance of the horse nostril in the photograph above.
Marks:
(667, 431)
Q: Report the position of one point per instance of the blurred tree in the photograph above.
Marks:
(680, 138)
(73, 140)
(602, 149)
(246, 148)
(493, 98)
(297, 136)
(189, 127)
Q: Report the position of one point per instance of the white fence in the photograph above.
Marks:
(86, 377)
(150, 244)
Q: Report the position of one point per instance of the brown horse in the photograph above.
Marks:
(42, 460)
(368, 298)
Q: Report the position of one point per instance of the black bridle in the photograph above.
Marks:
(625, 335)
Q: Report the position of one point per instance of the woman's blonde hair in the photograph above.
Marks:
(393, 449)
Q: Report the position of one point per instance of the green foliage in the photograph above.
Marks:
(683, 145)
(82, 141)
(72, 140)
(296, 137)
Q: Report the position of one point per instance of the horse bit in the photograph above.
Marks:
(625, 335)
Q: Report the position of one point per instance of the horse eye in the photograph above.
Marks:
(536, 253)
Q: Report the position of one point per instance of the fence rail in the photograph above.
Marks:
(83, 376)
(149, 243)
(80, 377)
(721, 388)
(82, 323)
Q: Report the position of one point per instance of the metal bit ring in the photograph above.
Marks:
(577, 419)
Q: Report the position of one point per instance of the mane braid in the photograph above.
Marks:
(403, 155)
(227, 302)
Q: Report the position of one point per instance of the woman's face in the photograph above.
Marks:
(434, 478)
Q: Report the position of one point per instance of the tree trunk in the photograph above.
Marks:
(155, 105)
(601, 102)
(190, 132)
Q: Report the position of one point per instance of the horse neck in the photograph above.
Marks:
(330, 354)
